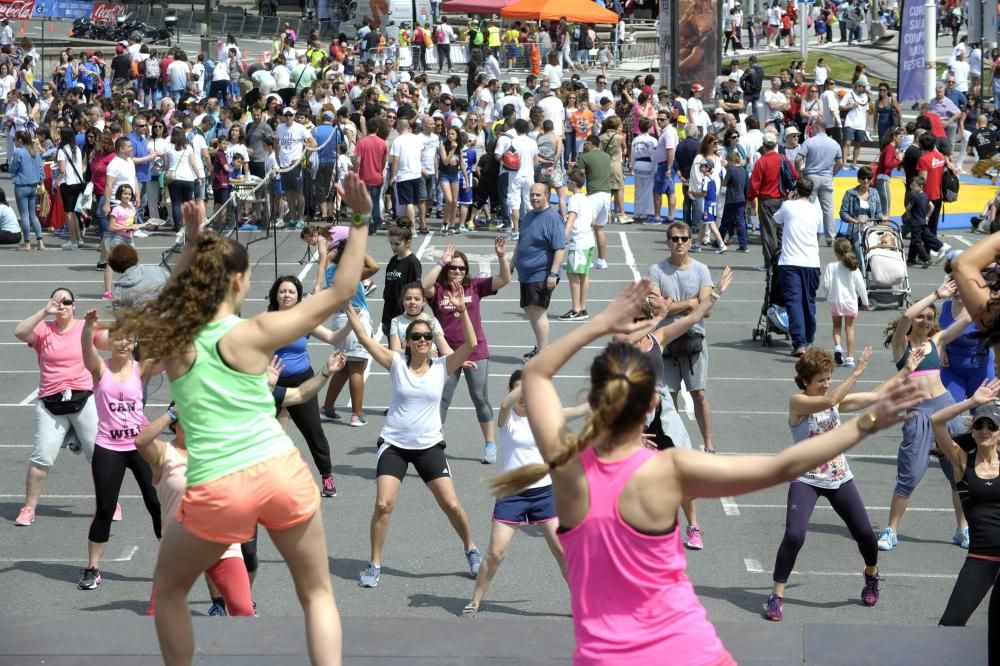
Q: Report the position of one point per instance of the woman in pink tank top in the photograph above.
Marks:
(617, 500)
(120, 418)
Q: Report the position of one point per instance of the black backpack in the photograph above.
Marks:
(751, 82)
(949, 186)
(786, 177)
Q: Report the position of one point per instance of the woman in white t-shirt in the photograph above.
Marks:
(412, 430)
(532, 506)
(184, 170)
(69, 159)
(553, 71)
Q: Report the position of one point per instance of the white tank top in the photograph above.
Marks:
(517, 447)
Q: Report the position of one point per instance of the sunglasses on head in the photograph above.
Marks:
(990, 425)
(427, 335)
(679, 239)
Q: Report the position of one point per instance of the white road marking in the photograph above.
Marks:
(629, 257)
(127, 557)
(925, 509)
(31, 397)
(730, 506)
(425, 245)
(753, 566)
(962, 240)
(688, 404)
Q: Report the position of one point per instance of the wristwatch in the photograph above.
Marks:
(324, 373)
(359, 220)
(868, 423)
(555, 275)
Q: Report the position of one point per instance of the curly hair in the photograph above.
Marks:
(814, 360)
(167, 325)
(622, 386)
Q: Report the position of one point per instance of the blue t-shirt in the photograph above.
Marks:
(327, 154)
(295, 357)
(541, 235)
(140, 148)
(358, 300)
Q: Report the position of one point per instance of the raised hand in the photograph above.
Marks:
(274, 369)
(458, 297)
(91, 317)
(500, 245)
(54, 306)
(863, 358)
(914, 359)
(448, 255)
(659, 304)
(986, 392)
(947, 288)
(620, 315)
(336, 362)
(724, 281)
(354, 193)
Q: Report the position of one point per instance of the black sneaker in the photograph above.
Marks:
(582, 315)
(101, 265)
(530, 355)
(568, 316)
(90, 579)
(329, 415)
(838, 357)
(329, 486)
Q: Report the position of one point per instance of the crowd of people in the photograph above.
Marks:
(337, 135)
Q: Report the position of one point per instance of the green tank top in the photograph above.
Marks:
(228, 416)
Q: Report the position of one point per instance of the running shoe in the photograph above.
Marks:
(515, 235)
(218, 608)
(475, 560)
(696, 247)
(118, 513)
(568, 316)
(887, 539)
(530, 355)
(869, 595)
(722, 249)
(25, 517)
(961, 537)
(101, 265)
(370, 286)
(693, 534)
(140, 233)
(255, 613)
(107, 296)
(849, 362)
(651, 221)
(69, 245)
(329, 486)
(329, 415)
(582, 315)
(358, 420)
(838, 356)
(772, 609)
(370, 576)
(600, 264)
(90, 579)
(471, 610)
(489, 453)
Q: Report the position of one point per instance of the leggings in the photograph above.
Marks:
(108, 468)
(845, 500)
(230, 576)
(477, 381)
(249, 550)
(963, 381)
(974, 581)
(306, 419)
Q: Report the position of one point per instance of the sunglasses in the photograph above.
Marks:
(414, 337)
(990, 425)
(67, 302)
(460, 269)
(679, 239)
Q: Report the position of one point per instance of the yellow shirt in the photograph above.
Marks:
(494, 36)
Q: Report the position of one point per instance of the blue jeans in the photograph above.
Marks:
(180, 191)
(375, 192)
(26, 196)
(734, 221)
(799, 285)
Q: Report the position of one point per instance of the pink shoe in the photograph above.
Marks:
(118, 513)
(693, 534)
(25, 518)
(107, 296)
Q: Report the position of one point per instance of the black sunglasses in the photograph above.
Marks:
(428, 336)
(993, 427)
(680, 239)
(67, 302)
(461, 269)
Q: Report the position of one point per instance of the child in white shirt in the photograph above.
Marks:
(844, 285)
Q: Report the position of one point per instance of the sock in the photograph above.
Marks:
(837, 348)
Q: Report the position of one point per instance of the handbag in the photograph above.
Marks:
(172, 173)
(85, 201)
(59, 404)
(689, 344)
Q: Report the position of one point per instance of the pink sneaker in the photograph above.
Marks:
(25, 517)
(108, 296)
(118, 513)
(693, 534)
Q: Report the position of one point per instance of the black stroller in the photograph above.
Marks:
(773, 318)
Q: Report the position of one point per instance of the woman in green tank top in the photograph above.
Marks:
(242, 468)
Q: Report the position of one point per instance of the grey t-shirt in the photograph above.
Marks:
(819, 153)
(680, 284)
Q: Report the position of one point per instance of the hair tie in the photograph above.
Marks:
(553, 465)
(622, 376)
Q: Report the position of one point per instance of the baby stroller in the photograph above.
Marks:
(884, 266)
(773, 318)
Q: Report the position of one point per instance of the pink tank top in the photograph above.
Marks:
(632, 600)
(120, 416)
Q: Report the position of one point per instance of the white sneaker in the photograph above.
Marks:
(69, 245)
(600, 264)
(140, 233)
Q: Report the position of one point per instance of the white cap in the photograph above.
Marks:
(287, 110)
(770, 138)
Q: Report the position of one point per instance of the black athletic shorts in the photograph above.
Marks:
(536, 293)
(430, 463)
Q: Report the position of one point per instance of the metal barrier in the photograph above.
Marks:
(245, 26)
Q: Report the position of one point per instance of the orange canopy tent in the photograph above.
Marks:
(574, 11)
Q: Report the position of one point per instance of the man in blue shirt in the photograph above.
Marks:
(537, 259)
(327, 154)
(143, 158)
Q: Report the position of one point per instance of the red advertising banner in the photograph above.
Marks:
(17, 10)
(106, 12)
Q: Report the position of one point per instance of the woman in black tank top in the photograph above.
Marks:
(977, 472)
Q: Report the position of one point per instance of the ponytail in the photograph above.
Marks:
(844, 251)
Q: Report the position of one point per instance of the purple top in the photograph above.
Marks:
(445, 312)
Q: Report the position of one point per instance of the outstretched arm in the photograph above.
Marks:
(461, 355)
(91, 359)
(967, 271)
(380, 354)
(312, 386)
(986, 392)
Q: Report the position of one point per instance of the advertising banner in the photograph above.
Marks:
(107, 12)
(697, 43)
(63, 9)
(664, 28)
(17, 10)
(912, 53)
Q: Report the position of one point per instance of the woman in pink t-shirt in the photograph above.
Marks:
(617, 499)
(118, 394)
(65, 411)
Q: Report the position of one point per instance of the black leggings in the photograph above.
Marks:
(306, 419)
(249, 550)
(10, 237)
(845, 500)
(108, 468)
(974, 581)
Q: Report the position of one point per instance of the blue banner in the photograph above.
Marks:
(63, 9)
(912, 53)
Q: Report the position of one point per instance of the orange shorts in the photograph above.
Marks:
(278, 493)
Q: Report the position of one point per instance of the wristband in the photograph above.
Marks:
(325, 373)
(172, 414)
(440, 263)
(359, 220)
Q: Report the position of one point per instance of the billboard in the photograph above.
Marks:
(697, 26)
(63, 9)
(912, 53)
(107, 12)
(17, 10)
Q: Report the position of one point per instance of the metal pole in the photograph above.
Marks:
(989, 27)
(206, 40)
(975, 22)
(930, 46)
(803, 32)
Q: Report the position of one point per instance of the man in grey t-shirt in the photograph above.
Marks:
(820, 158)
(686, 282)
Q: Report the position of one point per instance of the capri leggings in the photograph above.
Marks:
(249, 550)
(975, 579)
(306, 419)
(51, 431)
(918, 440)
(230, 576)
(845, 500)
(476, 379)
(108, 468)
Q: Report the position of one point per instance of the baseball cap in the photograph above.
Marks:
(515, 81)
(200, 119)
(770, 138)
(329, 115)
(990, 410)
(697, 87)
(792, 131)
(719, 111)
(288, 110)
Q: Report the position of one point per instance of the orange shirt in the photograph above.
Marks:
(583, 123)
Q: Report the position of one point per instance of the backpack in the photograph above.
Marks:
(786, 178)
(949, 186)
(439, 35)
(588, 42)
(152, 68)
(511, 159)
(750, 83)
(477, 38)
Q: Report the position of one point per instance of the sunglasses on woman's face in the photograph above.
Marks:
(990, 425)
(414, 337)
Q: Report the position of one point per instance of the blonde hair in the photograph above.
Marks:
(622, 386)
